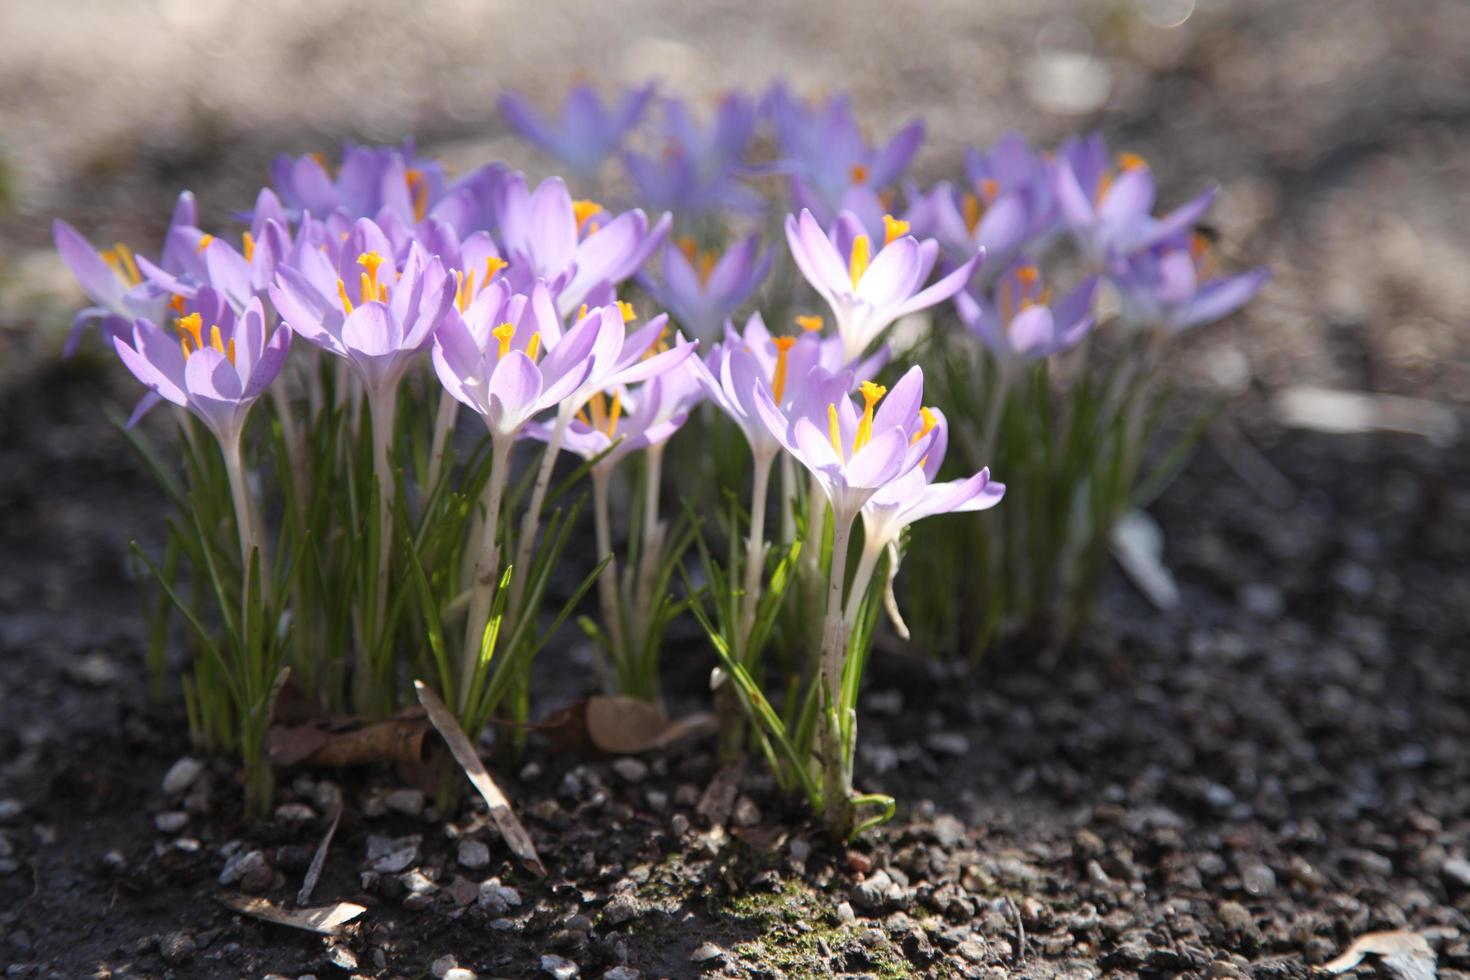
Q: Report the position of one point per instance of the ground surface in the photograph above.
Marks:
(1242, 786)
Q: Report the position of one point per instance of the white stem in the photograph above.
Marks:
(994, 410)
(755, 546)
(383, 406)
(487, 566)
(295, 444)
(836, 788)
(240, 495)
(789, 497)
(862, 578)
(443, 426)
(653, 539)
(531, 521)
(607, 580)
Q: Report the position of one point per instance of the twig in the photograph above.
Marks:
(1020, 931)
(319, 859)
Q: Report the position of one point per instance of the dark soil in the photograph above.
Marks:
(1239, 787)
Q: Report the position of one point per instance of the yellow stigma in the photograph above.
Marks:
(859, 174)
(418, 192)
(247, 245)
(811, 324)
(614, 413)
(504, 333)
(1028, 275)
(974, 210)
(834, 432)
(464, 289)
(893, 228)
(862, 254)
(597, 405)
(177, 305)
(582, 312)
(626, 308)
(928, 421)
(778, 374)
(585, 210)
(872, 394)
(1131, 161)
(342, 295)
(204, 241)
(215, 340)
(370, 288)
(534, 346)
(120, 259)
(686, 245)
(493, 264)
(990, 187)
(190, 326)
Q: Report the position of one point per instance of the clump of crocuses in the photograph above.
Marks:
(359, 529)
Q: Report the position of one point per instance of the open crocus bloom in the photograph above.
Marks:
(702, 289)
(364, 309)
(489, 357)
(586, 133)
(1169, 286)
(570, 244)
(867, 292)
(626, 420)
(113, 280)
(238, 274)
(620, 358)
(216, 370)
(825, 150)
(1018, 322)
(696, 172)
(1108, 205)
(854, 453)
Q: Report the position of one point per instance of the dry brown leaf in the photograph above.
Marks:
(464, 753)
(719, 796)
(1405, 954)
(624, 725)
(399, 740)
(319, 859)
(326, 919)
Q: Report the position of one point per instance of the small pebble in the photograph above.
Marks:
(409, 802)
(630, 769)
(181, 775)
(473, 854)
(559, 967)
(622, 973)
(707, 953)
(171, 821)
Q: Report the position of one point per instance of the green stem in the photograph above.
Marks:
(836, 788)
(487, 567)
(607, 579)
(755, 552)
(531, 521)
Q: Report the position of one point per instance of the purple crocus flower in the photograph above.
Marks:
(216, 371)
(489, 357)
(113, 280)
(364, 309)
(1108, 208)
(237, 274)
(701, 289)
(1170, 287)
(1017, 321)
(825, 149)
(586, 133)
(867, 292)
(697, 168)
(570, 244)
(627, 420)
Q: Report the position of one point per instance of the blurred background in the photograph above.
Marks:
(1338, 129)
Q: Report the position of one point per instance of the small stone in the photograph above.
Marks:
(622, 973)
(248, 869)
(707, 953)
(870, 894)
(971, 950)
(294, 813)
(176, 947)
(678, 825)
(746, 813)
(1456, 870)
(630, 769)
(658, 800)
(497, 899)
(171, 821)
(1233, 915)
(623, 908)
(531, 772)
(800, 850)
(94, 669)
(409, 802)
(859, 863)
(10, 809)
(341, 957)
(473, 854)
(114, 861)
(948, 743)
(845, 914)
(1257, 879)
(559, 967)
(460, 973)
(181, 775)
(387, 855)
(327, 796)
(442, 966)
(948, 830)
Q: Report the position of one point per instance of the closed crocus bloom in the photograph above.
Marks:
(703, 289)
(867, 291)
(1018, 321)
(1108, 206)
(113, 280)
(573, 245)
(586, 132)
(214, 369)
(1171, 287)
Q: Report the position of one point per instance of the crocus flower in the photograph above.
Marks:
(703, 289)
(570, 244)
(1170, 287)
(378, 318)
(215, 370)
(867, 292)
(1108, 208)
(627, 420)
(237, 274)
(1017, 321)
(826, 152)
(697, 169)
(112, 279)
(586, 133)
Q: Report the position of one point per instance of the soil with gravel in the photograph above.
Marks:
(1239, 787)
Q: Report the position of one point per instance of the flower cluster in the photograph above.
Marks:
(373, 301)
